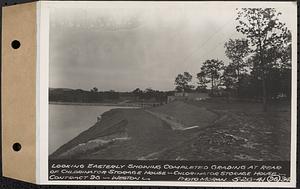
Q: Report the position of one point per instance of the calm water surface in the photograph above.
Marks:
(68, 121)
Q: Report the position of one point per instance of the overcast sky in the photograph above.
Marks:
(126, 46)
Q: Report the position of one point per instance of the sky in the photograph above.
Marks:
(124, 46)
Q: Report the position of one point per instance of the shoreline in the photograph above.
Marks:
(94, 104)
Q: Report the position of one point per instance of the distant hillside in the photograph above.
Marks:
(79, 95)
(95, 96)
(60, 89)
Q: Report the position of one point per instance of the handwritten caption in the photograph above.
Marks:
(173, 171)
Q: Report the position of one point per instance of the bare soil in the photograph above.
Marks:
(225, 131)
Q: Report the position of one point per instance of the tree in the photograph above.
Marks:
(236, 50)
(137, 91)
(183, 81)
(149, 93)
(283, 53)
(229, 77)
(95, 89)
(265, 32)
(202, 83)
(211, 70)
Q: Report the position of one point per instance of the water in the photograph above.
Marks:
(68, 121)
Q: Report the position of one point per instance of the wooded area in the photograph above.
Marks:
(260, 63)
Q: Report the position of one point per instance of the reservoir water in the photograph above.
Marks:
(68, 121)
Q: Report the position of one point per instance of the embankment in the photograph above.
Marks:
(224, 132)
(146, 131)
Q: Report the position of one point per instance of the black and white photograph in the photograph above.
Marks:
(170, 82)
(134, 94)
(172, 91)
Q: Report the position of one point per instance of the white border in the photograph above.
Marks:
(43, 83)
(38, 15)
(43, 62)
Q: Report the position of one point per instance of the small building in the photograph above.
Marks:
(197, 96)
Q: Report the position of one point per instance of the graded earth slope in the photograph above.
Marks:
(206, 130)
(136, 133)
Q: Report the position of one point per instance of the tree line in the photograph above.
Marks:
(94, 95)
(260, 63)
(82, 96)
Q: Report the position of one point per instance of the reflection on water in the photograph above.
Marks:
(68, 121)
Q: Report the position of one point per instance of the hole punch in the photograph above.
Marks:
(15, 44)
(17, 146)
